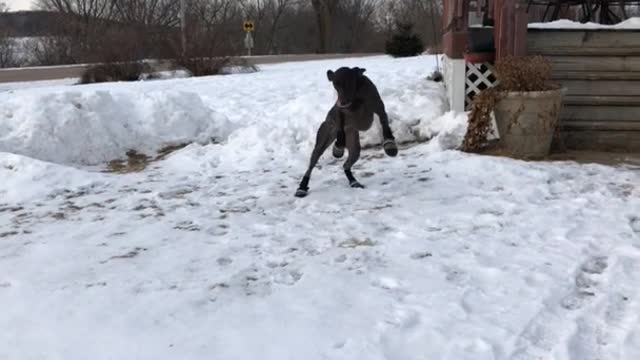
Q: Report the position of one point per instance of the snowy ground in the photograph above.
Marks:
(207, 255)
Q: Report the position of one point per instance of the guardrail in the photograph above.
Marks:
(74, 71)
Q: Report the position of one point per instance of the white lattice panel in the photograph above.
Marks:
(478, 77)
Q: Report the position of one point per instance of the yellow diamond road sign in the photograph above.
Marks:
(248, 26)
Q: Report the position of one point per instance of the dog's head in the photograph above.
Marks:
(345, 80)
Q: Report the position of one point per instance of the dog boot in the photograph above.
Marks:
(301, 192)
(390, 147)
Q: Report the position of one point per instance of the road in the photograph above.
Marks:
(74, 71)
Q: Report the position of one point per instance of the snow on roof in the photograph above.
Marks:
(632, 23)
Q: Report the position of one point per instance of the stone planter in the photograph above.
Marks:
(527, 122)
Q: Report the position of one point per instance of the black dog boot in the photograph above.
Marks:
(303, 189)
(390, 147)
(302, 192)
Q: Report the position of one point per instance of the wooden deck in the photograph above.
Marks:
(601, 70)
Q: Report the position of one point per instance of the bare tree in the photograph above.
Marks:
(87, 10)
(277, 9)
(424, 15)
(83, 27)
(155, 13)
(51, 50)
(133, 29)
(8, 54)
(354, 25)
(149, 26)
(296, 29)
(324, 12)
(214, 27)
(7, 44)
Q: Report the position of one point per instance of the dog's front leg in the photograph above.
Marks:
(353, 145)
(325, 135)
(338, 146)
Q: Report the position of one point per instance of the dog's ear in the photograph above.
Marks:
(330, 75)
(360, 70)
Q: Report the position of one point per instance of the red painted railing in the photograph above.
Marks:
(510, 25)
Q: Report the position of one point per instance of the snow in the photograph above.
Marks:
(98, 126)
(93, 124)
(206, 253)
(629, 24)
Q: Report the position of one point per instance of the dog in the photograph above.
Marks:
(358, 101)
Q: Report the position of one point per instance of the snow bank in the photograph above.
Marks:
(270, 115)
(446, 133)
(629, 24)
(25, 179)
(92, 127)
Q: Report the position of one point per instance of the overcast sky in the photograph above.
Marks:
(18, 4)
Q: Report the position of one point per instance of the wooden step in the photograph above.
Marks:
(597, 64)
(602, 88)
(606, 125)
(596, 75)
(582, 100)
(586, 51)
(600, 113)
(594, 140)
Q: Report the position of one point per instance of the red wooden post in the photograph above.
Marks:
(454, 22)
(521, 29)
(510, 31)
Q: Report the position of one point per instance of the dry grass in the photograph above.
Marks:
(208, 66)
(479, 127)
(136, 162)
(117, 71)
(524, 73)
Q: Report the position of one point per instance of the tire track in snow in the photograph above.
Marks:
(553, 324)
(401, 323)
(594, 319)
(601, 332)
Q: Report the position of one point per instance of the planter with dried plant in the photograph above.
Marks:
(526, 105)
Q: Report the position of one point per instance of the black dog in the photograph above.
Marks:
(358, 100)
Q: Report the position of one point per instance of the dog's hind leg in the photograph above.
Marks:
(326, 134)
(389, 142)
(353, 146)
